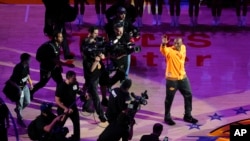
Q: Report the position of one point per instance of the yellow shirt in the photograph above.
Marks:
(175, 61)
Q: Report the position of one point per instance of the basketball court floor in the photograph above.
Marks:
(218, 66)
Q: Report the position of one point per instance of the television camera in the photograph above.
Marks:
(113, 47)
(135, 104)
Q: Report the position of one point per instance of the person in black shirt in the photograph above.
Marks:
(4, 120)
(94, 68)
(66, 101)
(119, 54)
(121, 16)
(117, 114)
(112, 10)
(157, 130)
(20, 76)
(48, 54)
(47, 124)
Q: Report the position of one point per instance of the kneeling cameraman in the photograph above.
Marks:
(46, 126)
(117, 114)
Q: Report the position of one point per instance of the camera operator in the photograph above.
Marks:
(131, 15)
(46, 126)
(117, 114)
(66, 101)
(119, 53)
(121, 16)
(90, 49)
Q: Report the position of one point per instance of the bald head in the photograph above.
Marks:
(178, 43)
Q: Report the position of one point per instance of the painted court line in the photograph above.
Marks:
(27, 13)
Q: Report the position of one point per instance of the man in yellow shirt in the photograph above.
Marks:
(176, 79)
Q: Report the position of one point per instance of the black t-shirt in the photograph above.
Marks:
(150, 137)
(128, 26)
(117, 103)
(51, 54)
(88, 75)
(20, 74)
(41, 122)
(89, 58)
(67, 93)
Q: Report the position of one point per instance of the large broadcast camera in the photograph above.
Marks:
(117, 48)
(135, 105)
(94, 49)
(112, 47)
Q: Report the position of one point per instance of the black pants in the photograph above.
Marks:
(3, 133)
(74, 117)
(92, 90)
(194, 8)
(114, 132)
(100, 6)
(174, 7)
(45, 76)
(139, 7)
(240, 4)
(82, 6)
(159, 4)
(216, 8)
(184, 87)
(118, 76)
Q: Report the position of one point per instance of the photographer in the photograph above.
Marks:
(117, 114)
(94, 69)
(66, 101)
(46, 126)
(111, 11)
(119, 53)
(121, 16)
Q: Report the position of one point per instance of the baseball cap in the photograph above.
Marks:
(121, 10)
(46, 107)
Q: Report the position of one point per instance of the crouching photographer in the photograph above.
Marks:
(121, 112)
(46, 127)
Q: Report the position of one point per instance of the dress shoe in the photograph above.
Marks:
(190, 119)
(169, 121)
